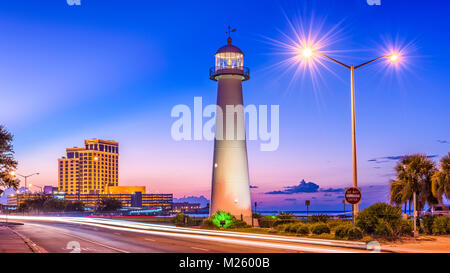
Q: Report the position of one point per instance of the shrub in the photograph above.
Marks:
(341, 231)
(383, 229)
(354, 233)
(282, 228)
(319, 218)
(222, 219)
(238, 224)
(284, 218)
(406, 227)
(208, 223)
(180, 219)
(302, 229)
(333, 224)
(267, 221)
(380, 219)
(427, 224)
(441, 225)
(320, 228)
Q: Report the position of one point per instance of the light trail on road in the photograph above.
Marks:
(239, 238)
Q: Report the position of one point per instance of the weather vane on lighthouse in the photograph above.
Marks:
(229, 34)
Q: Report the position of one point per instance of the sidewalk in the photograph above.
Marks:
(11, 242)
(424, 244)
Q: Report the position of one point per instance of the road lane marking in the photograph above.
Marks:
(198, 248)
(90, 241)
(147, 239)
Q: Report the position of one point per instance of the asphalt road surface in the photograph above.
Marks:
(56, 236)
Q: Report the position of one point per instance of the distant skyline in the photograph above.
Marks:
(114, 70)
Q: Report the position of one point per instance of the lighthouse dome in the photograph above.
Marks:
(229, 59)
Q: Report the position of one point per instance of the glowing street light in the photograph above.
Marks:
(13, 173)
(307, 53)
(394, 57)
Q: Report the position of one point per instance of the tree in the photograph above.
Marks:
(414, 174)
(396, 196)
(441, 179)
(75, 206)
(7, 162)
(109, 204)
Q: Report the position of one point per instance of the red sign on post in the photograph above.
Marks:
(352, 195)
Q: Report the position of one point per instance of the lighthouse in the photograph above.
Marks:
(230, 180)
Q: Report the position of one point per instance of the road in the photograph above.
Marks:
(88, 235)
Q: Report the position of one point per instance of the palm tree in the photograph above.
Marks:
(395, 195)
(415, 172)
(440, 180)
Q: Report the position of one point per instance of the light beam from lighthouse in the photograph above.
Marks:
(230, 179)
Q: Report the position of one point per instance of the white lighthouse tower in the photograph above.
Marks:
(230, 180)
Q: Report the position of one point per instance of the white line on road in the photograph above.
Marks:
(198, 248)
(90, 241)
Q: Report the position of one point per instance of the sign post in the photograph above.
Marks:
(353, 196)
(307, 203)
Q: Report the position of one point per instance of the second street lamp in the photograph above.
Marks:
(393, 57)
(13, 173)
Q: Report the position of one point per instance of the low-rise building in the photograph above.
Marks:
(151, 201)
(185, 207)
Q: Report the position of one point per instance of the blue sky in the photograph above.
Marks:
(114, 70)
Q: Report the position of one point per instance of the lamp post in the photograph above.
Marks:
(13, 173)
(393, 57)
(39, 187)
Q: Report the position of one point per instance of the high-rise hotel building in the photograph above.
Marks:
(91, 169)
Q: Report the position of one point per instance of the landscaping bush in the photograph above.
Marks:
(406, 227)
(302, 229)
(319, 218)
(267, 221)
(284, 218)
(354, 233)
(380, 219)
(180, 219)
(208, 223)
(341, 231)
(238, 224)
(441, 225)
(334, 223)
(383, 229)
(320, 228)
(427, 224)
(283, 228)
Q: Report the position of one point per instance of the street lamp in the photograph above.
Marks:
(13, 173)
(308, 53)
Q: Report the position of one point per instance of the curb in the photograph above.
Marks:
(33, 246)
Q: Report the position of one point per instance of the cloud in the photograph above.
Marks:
(253, 187)
(290, 199)
(327, 194)
(443, 141)
(302, 187)
(340, 196)
(390, 158)
(305, 187)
